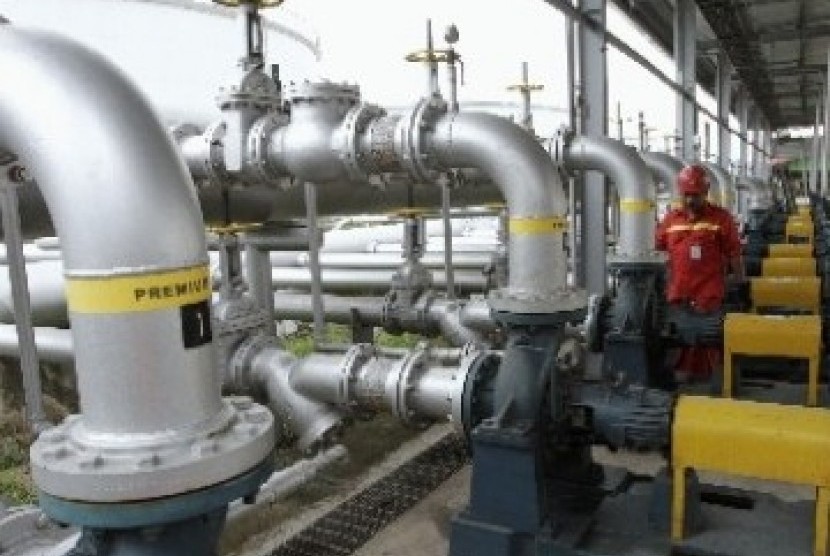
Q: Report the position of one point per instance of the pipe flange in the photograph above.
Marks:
(214, 165)
(409, 137)
(537, 302)
(259, 139)
(71, 462)
(240, 362)
(353, 361)
(352, 129)
(408, 369)
(470, 357)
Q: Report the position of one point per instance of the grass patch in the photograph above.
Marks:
(16, 486)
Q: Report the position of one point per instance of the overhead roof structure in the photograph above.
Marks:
(778, 48)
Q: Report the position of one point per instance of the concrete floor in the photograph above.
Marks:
(780, 524)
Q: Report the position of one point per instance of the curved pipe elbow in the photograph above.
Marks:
(725, 186)
(91, 141)
(529, 182)
(664, 167)
(634, 183)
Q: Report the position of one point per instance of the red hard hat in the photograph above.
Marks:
(692, 180)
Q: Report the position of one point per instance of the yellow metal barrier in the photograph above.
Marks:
(802, 293)
(790, 250)
(765, 441)
(788, 266)
(798, 337)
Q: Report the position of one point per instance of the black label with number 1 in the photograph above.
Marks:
(196, 324)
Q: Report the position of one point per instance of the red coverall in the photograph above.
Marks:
(699, 250)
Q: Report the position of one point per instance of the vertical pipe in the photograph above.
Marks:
(314, 262)
(571, 78)
(432, 64)
(641, 127)
(620, 132)
(29, 363)
(594, 78)
(445, 217)
(527, 116)
(453, 71)
(707, 152)
(685, 50)
(258, 263)
(573, 122)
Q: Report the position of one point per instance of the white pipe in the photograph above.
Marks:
(725, 187)
(531, 187)
(635, 187)
(665, 168)
(126, 213)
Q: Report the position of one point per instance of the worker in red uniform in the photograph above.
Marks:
(703, 247)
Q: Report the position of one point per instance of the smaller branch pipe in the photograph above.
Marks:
(635, 187)
(314, 422)
(365, 280)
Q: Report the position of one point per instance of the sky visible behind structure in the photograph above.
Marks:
(365, 41)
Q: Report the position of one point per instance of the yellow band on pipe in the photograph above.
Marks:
(534, 226)
(138, 292)
(636, 205)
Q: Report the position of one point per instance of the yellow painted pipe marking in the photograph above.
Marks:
(534, 226)
(138, 292)
(636, 205)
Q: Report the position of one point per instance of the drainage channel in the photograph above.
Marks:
(351, 524)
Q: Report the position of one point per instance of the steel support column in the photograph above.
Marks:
(826, 153)
(593, 75)
(743, 121)
(685, 52)
(724, 99)
(815, 186)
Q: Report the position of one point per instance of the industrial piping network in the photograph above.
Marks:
(159, 292)
(520, 408)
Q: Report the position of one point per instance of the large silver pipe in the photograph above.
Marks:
(466, 260)
(257, 203)
(531, 187)
(635, 187)
(368, 280)
(338, 309)
(91, 141)
(664, 167)
(449, 317)
(124, 162)
(53, 344)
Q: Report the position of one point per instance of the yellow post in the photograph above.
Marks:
(678, 510)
